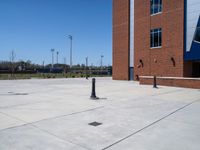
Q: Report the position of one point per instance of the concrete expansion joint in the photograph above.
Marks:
(153, 123)
(174, 91)
(67, 141)
(34, 126)
(5, 107)
(16, 118)
(152, 95)
(31, 123)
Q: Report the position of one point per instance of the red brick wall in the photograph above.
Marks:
(142, 37)
(188, 83)
(158, 61)
(121, 39)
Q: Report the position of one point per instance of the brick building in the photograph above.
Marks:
(156, 37)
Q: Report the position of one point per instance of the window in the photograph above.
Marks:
(197, 35)
(156, 6)
(156, 37)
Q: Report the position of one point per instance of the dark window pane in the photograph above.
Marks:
(152, 7)
(160, 38)
(156, 37)
(197, 35)
(160, 10)
(156, 6)
(152, 44)
(156, 44)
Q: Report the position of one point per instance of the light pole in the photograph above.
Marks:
(64, 64)
(86, 65)
(101, 61)
(64, 60)
(43, 63)
(57, 56)
(12, 59)
(52, 50)
(70, 37)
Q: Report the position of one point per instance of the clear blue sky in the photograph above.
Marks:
(32, 27)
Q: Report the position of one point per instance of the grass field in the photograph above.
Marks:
(45, 76)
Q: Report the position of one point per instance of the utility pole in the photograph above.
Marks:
(71, 38)
(64, 64)
(52, 50)
(57, 56)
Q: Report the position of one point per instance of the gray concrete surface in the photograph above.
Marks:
(53, 114)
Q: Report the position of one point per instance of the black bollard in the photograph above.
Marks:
(154, 82)
(93, 95)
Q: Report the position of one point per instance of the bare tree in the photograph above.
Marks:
(12, 62)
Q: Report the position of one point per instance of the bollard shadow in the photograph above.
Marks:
(99, 98)
(103, 98)
(156, 87)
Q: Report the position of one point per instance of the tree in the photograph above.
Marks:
(12, 62)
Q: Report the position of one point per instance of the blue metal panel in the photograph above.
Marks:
(194, 53)
(198, 25)
(192, 15)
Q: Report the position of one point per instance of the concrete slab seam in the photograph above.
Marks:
(59, 137)
(153, 123)
(27, 123)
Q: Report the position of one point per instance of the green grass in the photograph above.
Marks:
(46, 76)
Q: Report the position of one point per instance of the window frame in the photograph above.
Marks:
(152, 4)
(157, 31)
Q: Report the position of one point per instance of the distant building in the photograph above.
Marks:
(156, 37)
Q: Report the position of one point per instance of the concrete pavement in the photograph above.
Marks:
(54, 114)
